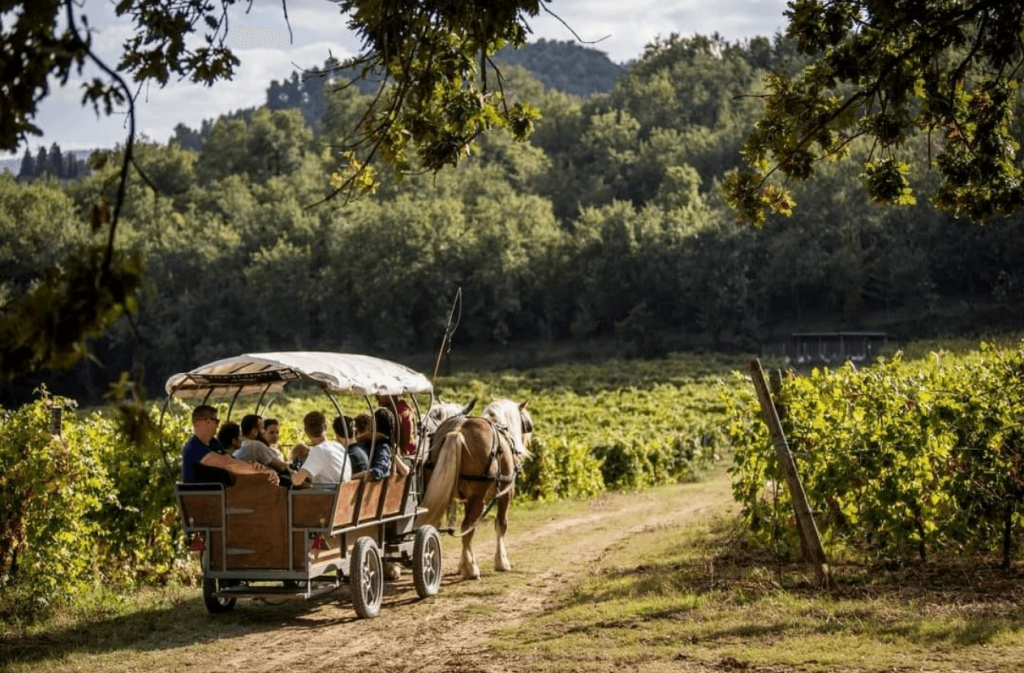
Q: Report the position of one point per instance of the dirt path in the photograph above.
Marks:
(449, 632)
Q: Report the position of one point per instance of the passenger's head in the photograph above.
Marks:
(314, 424)
(363, 423)
(251, 425)
(204, 422)
(385, 421)
(271, 431)
(343, 426)
(230, 435)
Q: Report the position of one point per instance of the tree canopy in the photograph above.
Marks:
(607, 227)
(429, 59)
(926, 84)
(434, 99)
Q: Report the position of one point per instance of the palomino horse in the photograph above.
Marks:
(476, 459)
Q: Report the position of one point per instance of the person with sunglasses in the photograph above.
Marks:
(204, 459)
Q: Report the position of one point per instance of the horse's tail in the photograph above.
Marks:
(444, 480)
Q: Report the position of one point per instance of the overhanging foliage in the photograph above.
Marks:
(926, 83)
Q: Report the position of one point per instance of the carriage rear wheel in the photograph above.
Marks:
(426, 561)
(366, 578)
(216, 605)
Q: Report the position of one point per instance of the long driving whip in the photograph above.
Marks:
(454, 316)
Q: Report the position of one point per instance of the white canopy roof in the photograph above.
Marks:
(255, 373)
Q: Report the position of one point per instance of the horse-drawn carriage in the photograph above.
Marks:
(259, 540)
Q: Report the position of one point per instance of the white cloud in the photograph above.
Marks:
(317, 29)
(624, 29)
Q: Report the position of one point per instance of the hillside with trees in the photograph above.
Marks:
(562, 66)
(609, 225)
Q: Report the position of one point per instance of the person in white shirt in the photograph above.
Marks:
(327, 462)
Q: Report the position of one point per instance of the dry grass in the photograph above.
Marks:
(697, 598)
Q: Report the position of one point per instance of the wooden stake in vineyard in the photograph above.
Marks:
(804, 517)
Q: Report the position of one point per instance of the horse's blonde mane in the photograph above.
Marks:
(506, 413)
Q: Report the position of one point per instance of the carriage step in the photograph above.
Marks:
(277, 593)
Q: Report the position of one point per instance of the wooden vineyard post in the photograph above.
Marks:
(804, 517)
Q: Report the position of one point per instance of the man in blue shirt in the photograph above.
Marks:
(203, 460)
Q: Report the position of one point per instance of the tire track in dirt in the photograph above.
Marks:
(450, 632)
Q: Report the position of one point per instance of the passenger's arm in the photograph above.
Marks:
(380, 464)
(278, 464)
(267, 456)
(301, 476)
(214, 459)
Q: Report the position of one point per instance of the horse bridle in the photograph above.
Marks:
(527, 424)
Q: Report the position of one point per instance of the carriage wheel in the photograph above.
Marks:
(367, 578)
(216, 605)
(426, 561)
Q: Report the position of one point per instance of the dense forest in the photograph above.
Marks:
(608, 224)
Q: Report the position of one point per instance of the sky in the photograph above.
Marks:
(260, 39)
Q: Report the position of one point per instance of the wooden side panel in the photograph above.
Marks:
(311, 510)
(344, 515)
(371, 500)
(393, 499)
(256, 526)
(201, 510)
(216, 546)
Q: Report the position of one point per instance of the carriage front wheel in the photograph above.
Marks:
(426, 561)
(215, 605)
(366, 579)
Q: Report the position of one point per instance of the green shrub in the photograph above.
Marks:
(624, 466)
(50, 491)
(84, 508)
(898, 460)
(143, 537)
(560, 470)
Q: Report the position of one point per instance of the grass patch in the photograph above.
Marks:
(661, 596)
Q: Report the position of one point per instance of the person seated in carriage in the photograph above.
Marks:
(230, 437)
(255, 448)
(326, 461)
(374, 437)
(272, 433)
(406, 427)
(345, 434)
(204, 459)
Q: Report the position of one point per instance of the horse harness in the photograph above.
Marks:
(504, 483)
(498, 430)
